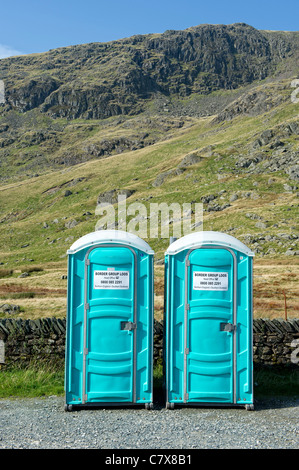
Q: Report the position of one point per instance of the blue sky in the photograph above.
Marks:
(39, 25)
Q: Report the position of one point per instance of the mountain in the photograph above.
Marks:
(207, 115)
(74, 104)
(242, 166)
(201, 115)
(96, 81)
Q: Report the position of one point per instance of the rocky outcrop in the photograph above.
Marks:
(96, 81)
(118, 145)
(280, 160)
(111, 196)
(271, 151)
(144, 85)
(9, 309)
(31, 94)
(73, 101)
(280, 243)
(189, 160)
(251, 103)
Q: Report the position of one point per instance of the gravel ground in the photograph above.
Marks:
(43, 424)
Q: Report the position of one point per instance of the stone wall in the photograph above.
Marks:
(33, 339)
(274, 341)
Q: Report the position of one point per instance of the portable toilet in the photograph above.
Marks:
(208, 357)
(109, 338)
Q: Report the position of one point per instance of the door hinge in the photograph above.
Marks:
(188, 262)
(187, 306)
(228, 327)
(187, 351)
(85, 351)
(87, 262)
(128, 325)
(186, 396)
(86, 306)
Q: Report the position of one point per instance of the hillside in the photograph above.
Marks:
(244, 170)
(74, 104)
(230, 141)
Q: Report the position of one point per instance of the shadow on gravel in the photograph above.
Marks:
(267, 396)
(265, 403)
(260, 403)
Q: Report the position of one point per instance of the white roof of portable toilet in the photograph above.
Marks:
(110, 236)
(195, 239)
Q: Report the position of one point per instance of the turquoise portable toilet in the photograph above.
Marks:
(109, 338)
(208, 357)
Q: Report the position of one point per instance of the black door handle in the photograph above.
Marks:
(128, 325)
(227, 327)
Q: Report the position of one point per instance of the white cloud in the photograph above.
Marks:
(7, 51)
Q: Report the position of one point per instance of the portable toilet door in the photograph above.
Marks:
(109, 340)
(208, 321)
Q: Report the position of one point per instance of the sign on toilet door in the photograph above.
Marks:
(111, 279)
(210, 281)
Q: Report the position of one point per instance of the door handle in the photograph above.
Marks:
(128, 325)
(228, 327)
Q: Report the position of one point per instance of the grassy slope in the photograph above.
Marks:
(26, 205)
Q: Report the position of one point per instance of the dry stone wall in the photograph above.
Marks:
(275, 342)
(33, 339)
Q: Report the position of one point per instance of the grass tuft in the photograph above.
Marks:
(33, 380)
(39, 379)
